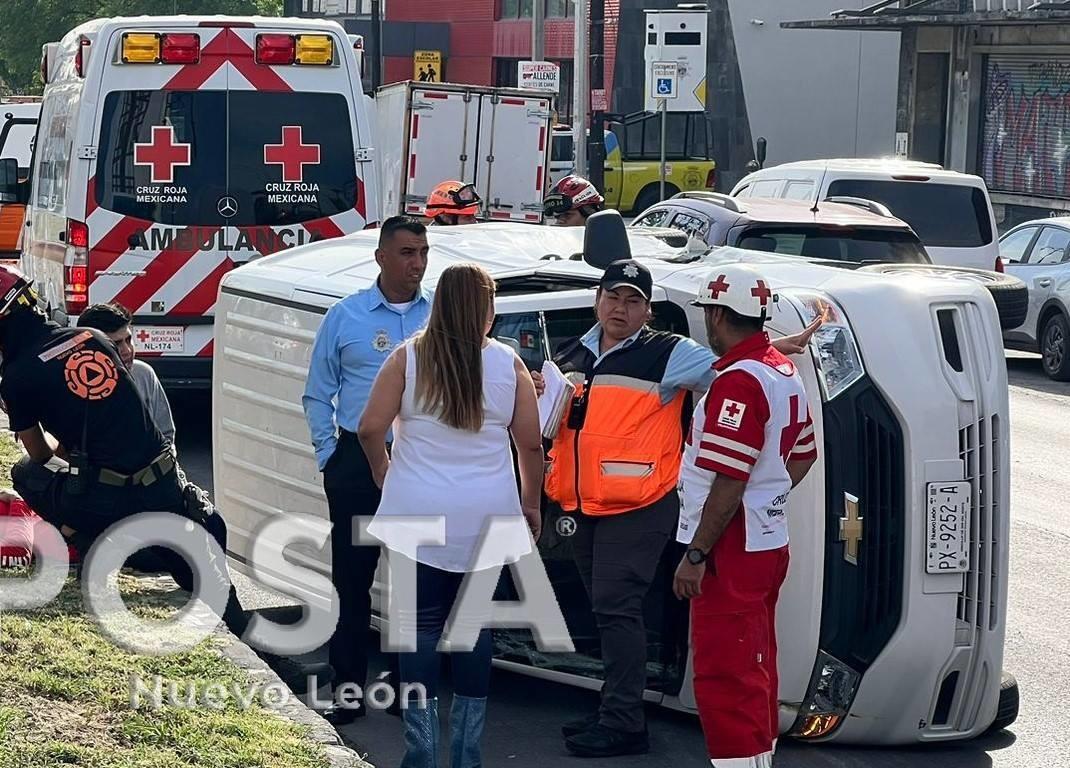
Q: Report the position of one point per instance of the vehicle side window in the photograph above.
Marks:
(799, 190)
(692, 224)
(1050, 247)
(743, 192)
(561, 148)
(1012, 248)
(654, 218)
(767, 188)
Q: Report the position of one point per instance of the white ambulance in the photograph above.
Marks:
(891, 624)
(172, 149)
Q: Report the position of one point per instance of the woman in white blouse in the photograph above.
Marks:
(457, 397)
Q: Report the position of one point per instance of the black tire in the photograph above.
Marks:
(1055, 347)
(1010, 294)
(650, 195)
(1007, 711)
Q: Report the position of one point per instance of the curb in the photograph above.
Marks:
(294, 710)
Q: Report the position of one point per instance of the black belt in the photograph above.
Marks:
(160, 468)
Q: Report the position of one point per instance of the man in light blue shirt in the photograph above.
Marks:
(354, 340)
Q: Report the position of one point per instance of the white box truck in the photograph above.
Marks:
(495, 138)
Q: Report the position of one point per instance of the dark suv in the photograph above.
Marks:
(849, 230)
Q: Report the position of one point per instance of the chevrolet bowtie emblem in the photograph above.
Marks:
(851, 529)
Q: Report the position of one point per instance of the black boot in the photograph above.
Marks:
(573, 727)
(297, 674)
(602, 741)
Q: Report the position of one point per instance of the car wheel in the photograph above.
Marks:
(1010, 294)
(1007, 711)
(1054, 349)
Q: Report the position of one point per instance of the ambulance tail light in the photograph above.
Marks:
(275, 49)
(140, 48)
(832, 690)
(76, 268)
(711, 179)
(81, 57)
(833, 346)
(314, 49)
(180, 49)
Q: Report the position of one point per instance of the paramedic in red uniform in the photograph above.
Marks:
(751, 442)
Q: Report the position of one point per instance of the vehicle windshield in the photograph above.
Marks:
(942, 215)
(173, 156)
(851, 245)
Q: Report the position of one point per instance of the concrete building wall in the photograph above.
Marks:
(815, 94)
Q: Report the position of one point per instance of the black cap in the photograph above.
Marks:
(630, 273)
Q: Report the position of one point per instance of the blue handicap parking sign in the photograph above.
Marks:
(664, 85)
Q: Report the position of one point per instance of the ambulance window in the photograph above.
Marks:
(166, 156)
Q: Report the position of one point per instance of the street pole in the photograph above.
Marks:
(596, 149)
(377, 45)
(664, 112)
(538, 24)
(581, 92)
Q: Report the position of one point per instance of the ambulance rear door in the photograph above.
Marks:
(514, 135)
(228, 149)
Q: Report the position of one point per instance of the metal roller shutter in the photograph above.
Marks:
(1025, 137)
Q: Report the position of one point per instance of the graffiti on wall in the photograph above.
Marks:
(1026, 142)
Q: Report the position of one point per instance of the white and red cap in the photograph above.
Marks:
(14, 287)
(739, 287)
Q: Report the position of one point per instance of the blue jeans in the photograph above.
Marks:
(436, 592)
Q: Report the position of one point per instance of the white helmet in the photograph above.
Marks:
(738, 287)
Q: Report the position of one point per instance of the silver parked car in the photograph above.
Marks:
(1038, 252)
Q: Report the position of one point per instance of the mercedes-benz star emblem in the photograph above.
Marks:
(227, 206)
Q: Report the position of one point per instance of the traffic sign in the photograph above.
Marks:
(664, 79)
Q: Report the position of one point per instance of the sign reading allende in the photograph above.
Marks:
(539, 76)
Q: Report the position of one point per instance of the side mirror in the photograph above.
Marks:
(9, 180)
(760, 149)
(605, 239)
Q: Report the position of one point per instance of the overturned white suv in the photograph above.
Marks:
(891, 624)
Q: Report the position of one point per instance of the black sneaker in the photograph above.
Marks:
(602, 741)
(573, 727)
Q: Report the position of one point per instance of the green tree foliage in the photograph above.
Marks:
(26, 25)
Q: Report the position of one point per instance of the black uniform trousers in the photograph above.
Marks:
(352, 495)
(617, 557)
(47, 490)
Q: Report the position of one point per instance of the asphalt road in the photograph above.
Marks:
(525, 714)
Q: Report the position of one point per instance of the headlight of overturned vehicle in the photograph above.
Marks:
(835, 350)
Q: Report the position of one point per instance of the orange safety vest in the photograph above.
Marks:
(626, 454)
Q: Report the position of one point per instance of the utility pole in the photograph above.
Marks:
(596, 146)
(377, 45)
(581, 92)
(538, 30)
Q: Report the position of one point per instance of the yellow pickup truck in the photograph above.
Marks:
(632, 158)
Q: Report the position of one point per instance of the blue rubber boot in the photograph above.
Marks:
(467, 716)
(421, 735)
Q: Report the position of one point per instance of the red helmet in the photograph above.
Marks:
(14, 290)
(572, 193)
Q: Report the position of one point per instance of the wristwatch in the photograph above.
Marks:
(696, 556)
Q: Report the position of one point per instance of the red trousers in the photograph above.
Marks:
(733, 639)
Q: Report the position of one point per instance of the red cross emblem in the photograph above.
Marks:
(292, 154)
(732, 409)
(162, 154)
(762, 293)
(718, 287)
(142, 336)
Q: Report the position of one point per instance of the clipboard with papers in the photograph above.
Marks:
(554, 399)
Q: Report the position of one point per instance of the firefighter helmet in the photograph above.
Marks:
(452, 197)
(15, 291)
(572, 193)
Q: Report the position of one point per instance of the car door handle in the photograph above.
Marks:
(1045, 283)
